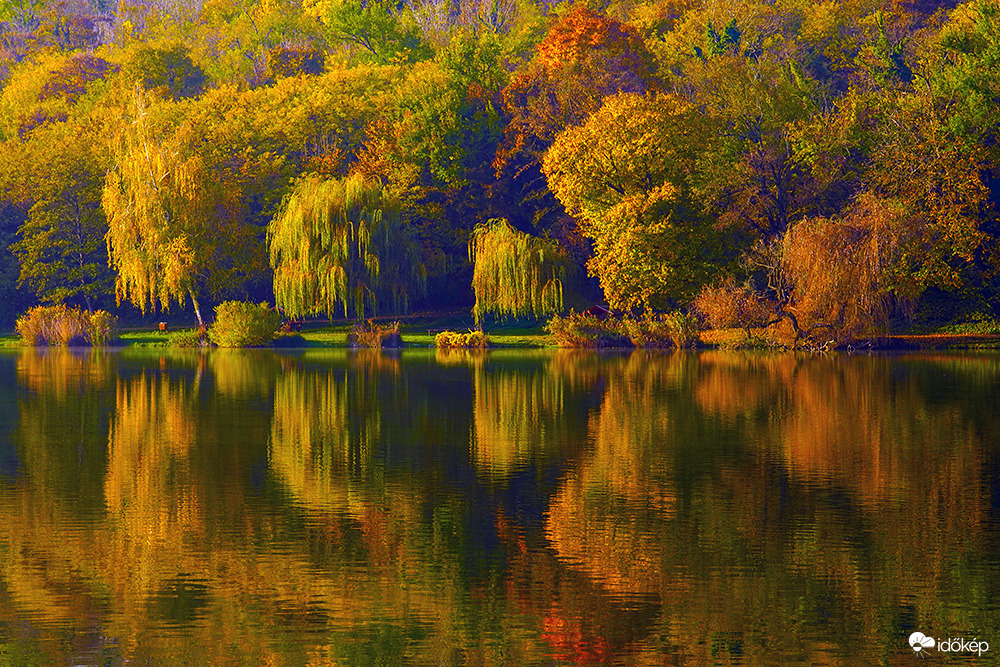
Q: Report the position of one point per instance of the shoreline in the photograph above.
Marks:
(533, 338)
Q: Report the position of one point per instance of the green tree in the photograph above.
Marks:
(61, 249)
(515, 274)
(378, 27)
(752, 178)
(342, 244)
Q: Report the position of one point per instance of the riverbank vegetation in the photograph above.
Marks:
(808, 174)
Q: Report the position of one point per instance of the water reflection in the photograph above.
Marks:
(333, 507)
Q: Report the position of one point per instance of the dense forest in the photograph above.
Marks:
(830, 163)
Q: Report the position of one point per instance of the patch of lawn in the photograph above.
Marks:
(142, 338)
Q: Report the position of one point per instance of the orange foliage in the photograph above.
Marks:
(582, 33)
(585, 57)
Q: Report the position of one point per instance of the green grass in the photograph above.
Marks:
(145, 338)
(414, 334)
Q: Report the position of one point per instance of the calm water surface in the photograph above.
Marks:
(522, 508)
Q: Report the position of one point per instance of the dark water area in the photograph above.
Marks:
(330, 507)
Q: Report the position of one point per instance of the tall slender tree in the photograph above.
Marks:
(157, 209)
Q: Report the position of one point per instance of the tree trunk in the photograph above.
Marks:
(197, 309)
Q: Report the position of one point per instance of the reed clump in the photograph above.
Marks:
(66, 326)
(370, 334)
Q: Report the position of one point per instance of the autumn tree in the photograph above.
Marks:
(624, 173)
(516, 274)
(585, 57)
(846, 276)
(60, 248)
(827, 280)
(753, 179)
(170, 236)
(341, 244)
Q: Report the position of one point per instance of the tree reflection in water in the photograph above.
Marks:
(334, 507)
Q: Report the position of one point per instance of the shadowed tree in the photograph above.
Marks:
(60, 247)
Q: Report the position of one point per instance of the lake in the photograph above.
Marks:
(551, 507)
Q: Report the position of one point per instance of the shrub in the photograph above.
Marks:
(243, 324)
(452, 339)
(682, 328)
(650, 331)
(731, 304)
(370, 334)
(578, 330)
(103, 327)
(62, 325)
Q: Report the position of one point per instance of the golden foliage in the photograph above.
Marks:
(623, 174)
(156, 205)
(846, 275)
(454, 339)
(342, 243)
(515, 274)
(510, 413)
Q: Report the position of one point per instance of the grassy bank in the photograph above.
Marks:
(416, 332)
(421, 332)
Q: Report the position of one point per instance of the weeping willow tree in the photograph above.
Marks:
(515, 274)
(342, 244)
(851, 276)
(158, 207)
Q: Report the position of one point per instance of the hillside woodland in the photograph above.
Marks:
(824, 165)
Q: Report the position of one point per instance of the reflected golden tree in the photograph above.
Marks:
(317, 437)
(151, 557)
(821, 489)
(513, 413)
(243, 372)
(152, 501)
(57, 372)
(604, 517)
